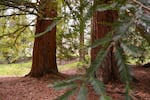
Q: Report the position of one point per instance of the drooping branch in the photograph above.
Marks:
(18, 35)
(17, 30)
(143, 32)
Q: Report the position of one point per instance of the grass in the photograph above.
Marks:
(72, 65)
(24, 68)
(15, 69)
(137, 62)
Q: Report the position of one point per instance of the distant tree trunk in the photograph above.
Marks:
(109, 69)
(82, 51)
(44, 50)
(82, 25)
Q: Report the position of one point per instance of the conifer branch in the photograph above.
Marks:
(142, 5)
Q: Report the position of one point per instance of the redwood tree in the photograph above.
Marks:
(102, 24)
(44, 50)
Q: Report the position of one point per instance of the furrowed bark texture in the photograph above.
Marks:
(44, 50)
(102, 21)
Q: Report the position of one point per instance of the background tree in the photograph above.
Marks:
(44, 50)
(72, 31)
(102, 26)
(125, 17)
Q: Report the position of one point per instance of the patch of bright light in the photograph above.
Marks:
(33, 1)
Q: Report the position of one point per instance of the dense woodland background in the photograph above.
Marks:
(105, 37)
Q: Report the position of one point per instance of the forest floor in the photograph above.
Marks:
(26, 88)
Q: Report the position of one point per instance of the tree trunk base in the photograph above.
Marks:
(31, 74)
(51, 75)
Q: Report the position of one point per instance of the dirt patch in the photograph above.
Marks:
(25, 88)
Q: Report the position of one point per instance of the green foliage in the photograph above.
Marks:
(67, 94)
(132, 49)
(98, 86)
(67, 83)
(70, 83)
(98, 61)
(105, 98)
(64, 84)
(15, 35)
(128, 92)
(71, 28)
(82, 93)
(123, 67)
(104, 7)
(129, 33)
(104, 41)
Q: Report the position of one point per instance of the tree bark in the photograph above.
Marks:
(44, 50)
(101, 26)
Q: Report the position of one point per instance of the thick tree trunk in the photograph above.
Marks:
(101, 26)
(44, 50)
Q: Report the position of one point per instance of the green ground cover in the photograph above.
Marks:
(22, 69)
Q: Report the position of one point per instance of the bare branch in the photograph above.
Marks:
(17, 30)
(21, 31)
(1, 16)
(24, 7)
(142, 5)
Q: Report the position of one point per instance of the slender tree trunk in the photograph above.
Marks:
(44, 50)
(82, 51)
(82, 26)
(109, 69)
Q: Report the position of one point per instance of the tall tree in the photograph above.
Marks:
(81, 30)
(102, 25)
(111, 29)
(44, 51)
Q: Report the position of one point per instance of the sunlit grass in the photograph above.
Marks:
(15, 69)
(68, 66)
(22, 69)
(132, 61)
